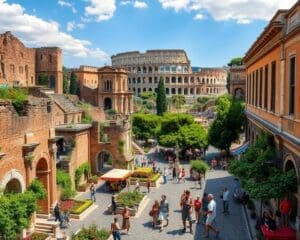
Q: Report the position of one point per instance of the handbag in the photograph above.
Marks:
(151, 213)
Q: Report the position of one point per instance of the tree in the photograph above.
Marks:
(177, 101)
(161, 100)
(259, 174)
(228, 124)
(145, 126)
(192, 136)
(65, 81)
(237, 61)
(73, 83)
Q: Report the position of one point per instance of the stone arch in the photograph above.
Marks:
(173, 80)
(186, 80)
(107, 103)
(150, 89)
(239, 93)
(13, 175)
(42, 174)
(289, 163)
(104, 161)
(144, 89)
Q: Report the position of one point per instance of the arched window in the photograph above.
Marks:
(107, 103)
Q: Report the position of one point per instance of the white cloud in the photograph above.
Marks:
(176, 4)
(125, 2)
(72, 25)
(139, 4)
(38, 32)
(199, 16)
(101, 10)
(242, 11)
(63, 3)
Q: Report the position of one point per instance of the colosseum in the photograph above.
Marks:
(174, 67)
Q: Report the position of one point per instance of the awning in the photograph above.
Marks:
(116, 175)
(241, 149)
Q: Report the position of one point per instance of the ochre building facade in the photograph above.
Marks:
(173, 66)
(22, 66)
(273, 92)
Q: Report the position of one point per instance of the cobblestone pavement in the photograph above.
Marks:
(232, 227)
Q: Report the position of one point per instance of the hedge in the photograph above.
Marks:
(84, 168)
(142, 172)
(153, 178)
(85, 204)
(129, 199)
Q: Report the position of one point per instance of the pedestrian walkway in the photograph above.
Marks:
(231, 227)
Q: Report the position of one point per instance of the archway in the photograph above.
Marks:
(13, 186)
(239, 93)
(289, 164)
(104, 161)
(107, 103)
(42, 174)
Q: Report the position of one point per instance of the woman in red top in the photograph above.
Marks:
(285, 209)
(197, 207)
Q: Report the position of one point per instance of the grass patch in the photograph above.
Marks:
(129, 199)
(80, 206)
(17, 96)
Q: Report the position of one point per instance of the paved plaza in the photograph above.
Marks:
(232, 226)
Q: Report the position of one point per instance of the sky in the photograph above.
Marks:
(90, 31)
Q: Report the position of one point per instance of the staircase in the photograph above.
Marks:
(49, 227)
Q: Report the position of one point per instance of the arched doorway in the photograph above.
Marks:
(42, 174)
(107, 103)
(290, 165)
(52, 81)
(239, 93)
(13, 186)
(104, 161)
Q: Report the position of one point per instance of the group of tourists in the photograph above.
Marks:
(160, 213)
(115, 227)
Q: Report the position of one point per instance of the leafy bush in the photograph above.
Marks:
(199, 166)
(63, 179)
(87, 118)
(80, 206)
(84, 168)
(129, 199)
(17, 96)
(38, 189)
(121, 145)
(37, 236)
(142, 172)
(91, 233)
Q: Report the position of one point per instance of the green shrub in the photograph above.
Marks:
(87, 118)
(84, 168)
(93, 179)
(63, 179)
(80, 206)
(37, 236)
(17, 96)
(129, 199)
(91, 233)
(66, 193)
(38, 189)
(121, 145)
(199, 166)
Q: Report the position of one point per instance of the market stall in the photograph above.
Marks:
(116, 179)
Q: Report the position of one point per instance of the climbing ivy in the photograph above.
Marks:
(84, 168)
(121, 145)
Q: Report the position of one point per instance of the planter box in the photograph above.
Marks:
(84, 213)
(132, 211)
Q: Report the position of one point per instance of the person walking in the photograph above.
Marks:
(154, 213)
(211, 215)
(165, 174)
(174, 174)
(126, 222)
(197, 206)
(163, 212)
(57, 214)
(183, 175)
(225, 197)
(204, 207)
(113, 204)
(115, 229)
(93, 192)
(137, 185)
(186, 212)
(148, 185)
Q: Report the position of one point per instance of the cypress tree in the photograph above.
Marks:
(73, 83)
(161, 100)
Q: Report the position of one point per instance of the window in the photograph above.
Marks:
(292, 85)
(256, 88)
(273, 85)
(260, 86)
(266, 86)
(252, 88)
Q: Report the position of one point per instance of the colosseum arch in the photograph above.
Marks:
(13, 181)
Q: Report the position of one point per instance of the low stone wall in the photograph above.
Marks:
(144, 184)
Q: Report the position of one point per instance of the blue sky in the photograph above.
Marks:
(90, 31)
